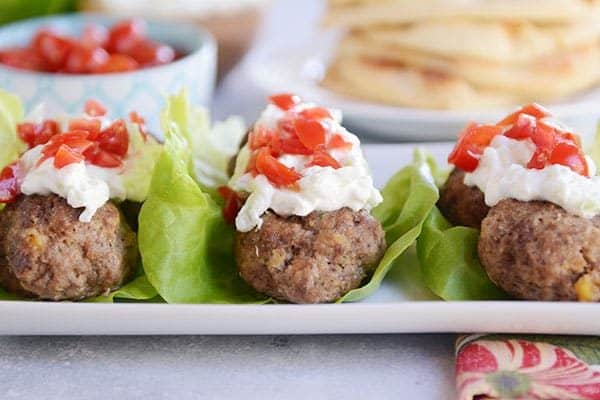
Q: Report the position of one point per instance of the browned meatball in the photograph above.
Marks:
(312, 259)
(461, 204)
(537, 250)
(47, 253)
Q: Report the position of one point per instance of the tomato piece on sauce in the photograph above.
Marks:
(94, 108)
(474, 139)
(115, 138)
(233, 203)
(101, 158)
(310, 132)
(315, 113)
(9, 183)
(36, 134)
(322, 159)
(284, 101)
(570, 156)
(337, 142)
(275, 171)
(522, 128)
(65, 155)
(533, 109)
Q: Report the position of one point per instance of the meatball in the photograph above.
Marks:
(312, 259)
(461, 204)
(47, 253)
(537, 250)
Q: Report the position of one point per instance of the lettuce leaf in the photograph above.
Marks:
(449, 261)
(212, 148)
(186, 245)
(408, 198)
(11, 113)
(139, 164)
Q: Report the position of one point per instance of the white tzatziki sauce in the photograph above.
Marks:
(81, 185)
(502, 173)
(318, 189)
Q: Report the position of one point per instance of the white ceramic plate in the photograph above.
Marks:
(299, 70)
(397, 307)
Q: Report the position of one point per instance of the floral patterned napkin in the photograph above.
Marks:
(527, 367)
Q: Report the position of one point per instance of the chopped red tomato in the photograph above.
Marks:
(533, 109)
(95, 35)
(233, 203)
(65, 155)
(523, 127)
(474, 139)
(95, 155)
(52, 48)
(9, 183)
(260, 137)
(310, 132)
(136, 118)
(337, 142)
(94, 108)
(544, 136)
(82, 60)
(148, 53)
(275, 171)
(91, 126)
(125, 35)
(36, 134)
(23, 58)
(315, 113)
(115, 138)
(285, 101)
(322, 159)
(570, 156)
(118, 63)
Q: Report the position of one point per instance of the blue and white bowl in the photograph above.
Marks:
(142, 90)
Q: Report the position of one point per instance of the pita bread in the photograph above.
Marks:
(359, 13)
(488, 41)
(546, 78)
(397, 85)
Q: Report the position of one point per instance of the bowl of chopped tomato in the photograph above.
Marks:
(125, 64)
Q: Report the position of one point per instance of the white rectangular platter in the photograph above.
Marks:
(398, 307)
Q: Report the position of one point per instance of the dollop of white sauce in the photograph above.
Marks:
(502, 173)
(319, 189)
(81, 185)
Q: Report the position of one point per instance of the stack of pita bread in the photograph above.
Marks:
(464, 54)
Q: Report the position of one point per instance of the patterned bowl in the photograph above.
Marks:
(142, 90)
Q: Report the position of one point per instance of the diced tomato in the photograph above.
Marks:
(36, 134)
(148, 53)
(522, 128)
(118, 63)
(469, 148)
(125, 35)
(52, 48)
(571, 138)
(65, 155)
(259, 137)
(94, 108)
(115, 138)
(315, 113)
(136, 118)
(95, 35)
(544, 136)
(275, 171)
(291, 144)
(83, 59)
(533, 109)
(23, 58)
(95, 155)
(91, 126)
(310, 132)
(9, 183)
(323, 159)
(285, 101)
(337, 142)
(539, 159)
(233, 203)
(570, 156)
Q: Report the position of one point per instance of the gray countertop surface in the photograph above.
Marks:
(231, 367)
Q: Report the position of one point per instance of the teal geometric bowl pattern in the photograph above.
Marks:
(142, 90)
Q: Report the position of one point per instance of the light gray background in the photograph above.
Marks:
(201, 367)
